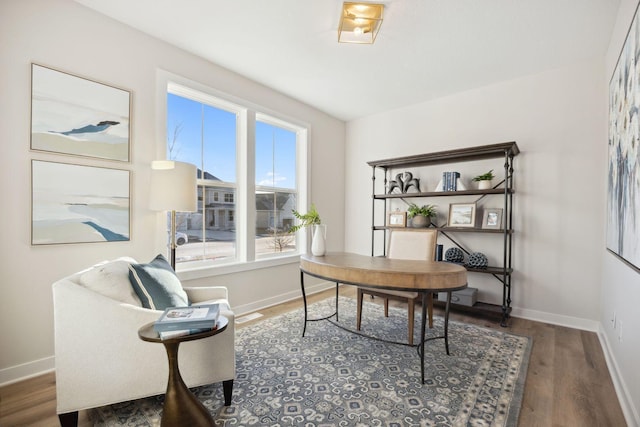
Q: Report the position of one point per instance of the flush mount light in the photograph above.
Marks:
(360, 22)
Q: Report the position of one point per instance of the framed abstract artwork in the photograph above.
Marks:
(76, 116)
(462, 215)
(78, 204)
(623, 184)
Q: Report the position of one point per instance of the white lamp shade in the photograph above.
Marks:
(173, 186)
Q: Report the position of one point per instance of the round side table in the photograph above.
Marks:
(181, 407)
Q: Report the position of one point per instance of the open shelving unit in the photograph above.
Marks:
(505, 189)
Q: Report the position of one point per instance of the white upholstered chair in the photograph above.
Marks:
(410, 244)
(99, 358)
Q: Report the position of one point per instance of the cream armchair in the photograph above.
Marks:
(99, 358)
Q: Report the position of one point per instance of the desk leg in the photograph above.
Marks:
(446, 322)
(181, 407)
(337, 319)
(304, 300)
(423, 332)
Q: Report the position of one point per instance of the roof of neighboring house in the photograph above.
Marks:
(265, 202)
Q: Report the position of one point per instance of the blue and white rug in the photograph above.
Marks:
(332, 377)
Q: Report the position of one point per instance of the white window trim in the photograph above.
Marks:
(247, 111)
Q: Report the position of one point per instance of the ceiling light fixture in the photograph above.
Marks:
(360, 22)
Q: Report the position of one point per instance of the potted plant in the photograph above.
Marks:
(484, 180)
(421, 215)
(312, 217)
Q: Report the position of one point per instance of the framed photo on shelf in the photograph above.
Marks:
(397, 219)
(462, 215)
(492, 218)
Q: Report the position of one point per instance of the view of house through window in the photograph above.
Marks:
(207, 132)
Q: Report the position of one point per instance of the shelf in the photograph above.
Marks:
(459, 155)
(489, 310)
(444, 193)
(450, 229)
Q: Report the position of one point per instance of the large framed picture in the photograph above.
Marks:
(492, 218)
(78, 204)
(623, 184)
(397, 219)
(76, 116)
(462, 215)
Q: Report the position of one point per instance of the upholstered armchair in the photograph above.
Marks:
(100, 359)
(411, 244)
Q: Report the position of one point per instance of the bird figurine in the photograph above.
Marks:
(403, 182)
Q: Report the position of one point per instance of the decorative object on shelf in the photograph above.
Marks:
(623, 185)
(462, 215)
(78, 116)
(319, 236)
(484, 180)
(421, 215)
(397, 219)
(492, 218)
(450, 181)
(478, 260)
(459, 185)
(439, 249)
(454, 255)
(403, 182)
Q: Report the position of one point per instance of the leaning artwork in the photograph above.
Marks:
(76, 116)
(623, 186)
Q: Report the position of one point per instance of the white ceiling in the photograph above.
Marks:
(425, 49)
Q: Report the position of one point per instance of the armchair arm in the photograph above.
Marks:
(207, 293)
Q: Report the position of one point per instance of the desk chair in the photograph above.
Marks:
(410, 244)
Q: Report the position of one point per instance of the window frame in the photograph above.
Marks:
(247, 113)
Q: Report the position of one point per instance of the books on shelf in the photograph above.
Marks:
(194, 317)
(450, 181)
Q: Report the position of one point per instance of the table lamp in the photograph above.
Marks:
(173, 188)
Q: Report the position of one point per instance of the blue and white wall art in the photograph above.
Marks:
(72, 115)
(623, 186)
(78, 204)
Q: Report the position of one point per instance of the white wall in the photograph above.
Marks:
(558, 120)
(69, 37)
(620, 284)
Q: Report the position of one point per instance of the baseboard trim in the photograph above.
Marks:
(626, 403)
(556, 319)
(25, 371)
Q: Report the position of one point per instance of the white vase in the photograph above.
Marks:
(484, 185)
(318, 244)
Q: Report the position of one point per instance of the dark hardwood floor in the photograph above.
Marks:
(568, 383)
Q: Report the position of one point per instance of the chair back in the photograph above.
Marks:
(416, 244)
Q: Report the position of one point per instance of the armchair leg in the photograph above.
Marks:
(70, 419)
(227, 387)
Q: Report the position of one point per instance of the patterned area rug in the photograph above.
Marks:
(332, 377)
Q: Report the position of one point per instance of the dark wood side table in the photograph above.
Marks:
(181, 407)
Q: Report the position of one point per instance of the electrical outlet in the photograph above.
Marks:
(620, 330)
(613, 320)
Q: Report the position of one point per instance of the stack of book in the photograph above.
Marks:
(180, 321)
(450, 181)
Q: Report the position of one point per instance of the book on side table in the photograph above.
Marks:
(179, 321)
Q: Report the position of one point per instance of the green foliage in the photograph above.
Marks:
(310, 218)
(424, 210)
(485, 176)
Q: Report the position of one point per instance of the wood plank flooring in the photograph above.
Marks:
(568, 383)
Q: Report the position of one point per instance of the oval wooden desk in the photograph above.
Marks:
(384, 273)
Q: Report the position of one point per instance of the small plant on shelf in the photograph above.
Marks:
(485, 176)
(312, 217)
(424, 210)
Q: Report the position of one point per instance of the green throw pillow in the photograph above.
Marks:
(157, 285)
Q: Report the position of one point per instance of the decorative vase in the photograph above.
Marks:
(420, 221)
(485, 184)
(318, 245)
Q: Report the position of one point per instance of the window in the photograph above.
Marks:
(244, 203)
